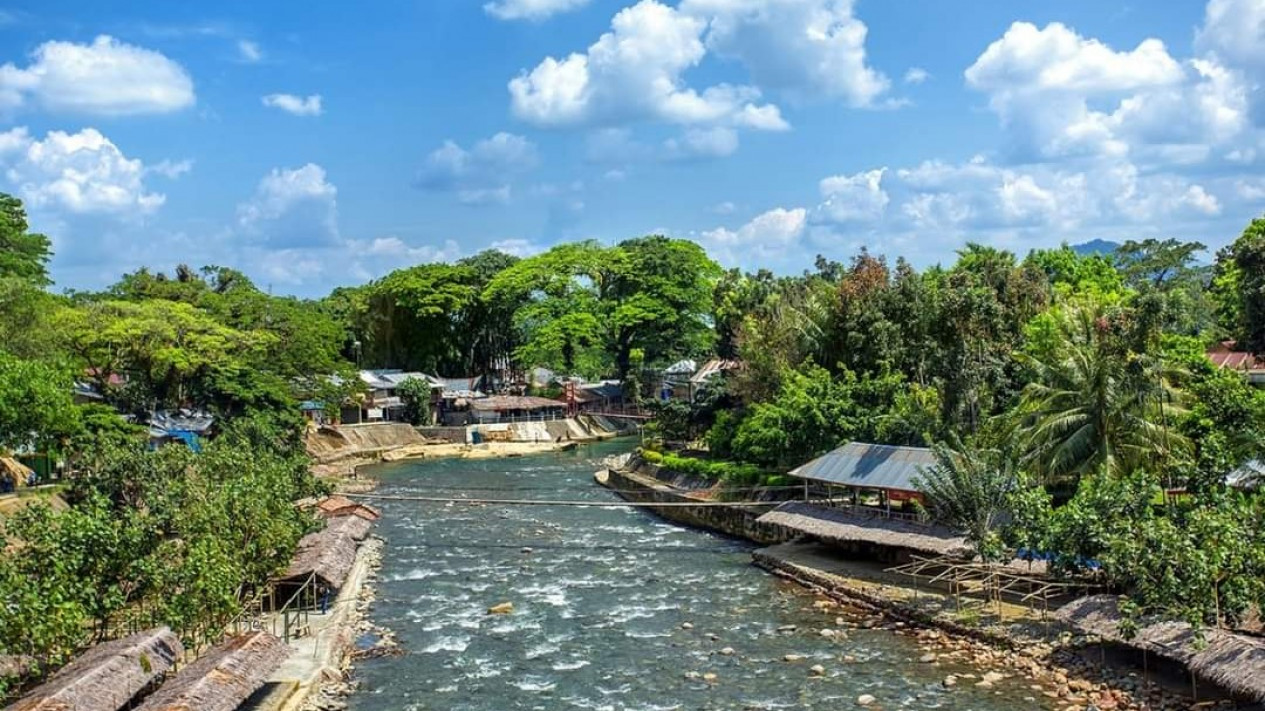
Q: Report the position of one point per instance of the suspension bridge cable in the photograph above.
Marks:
(556, 502)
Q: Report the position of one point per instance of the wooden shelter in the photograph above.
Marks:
(224, 677)
(860, 526)
(323, 558)
(106, 677)
(334, 506)
(859, 467)
(1233, 661)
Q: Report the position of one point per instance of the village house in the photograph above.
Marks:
(1252, 365)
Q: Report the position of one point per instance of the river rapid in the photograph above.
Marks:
(613, 609)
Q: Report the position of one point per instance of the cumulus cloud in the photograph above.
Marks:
(853, 198)
(768, 234)
(1059, 94)
(105, 78)
(535, 10)
(292, 208)
(481, 174)
(81, 173)
(296, 105)
(633, 73)
(808, 49)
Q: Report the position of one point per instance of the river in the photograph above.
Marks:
(601, 603)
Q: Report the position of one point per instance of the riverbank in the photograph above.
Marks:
(338, 452)
(1022, 644)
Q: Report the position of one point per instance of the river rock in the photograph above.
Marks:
(950, 681)
(927, 658)
(710, 677)
(827, 632)
(865, 700)
(793, 658)
(727, 651)
(503, 608)
(817, 670)
(687, 626)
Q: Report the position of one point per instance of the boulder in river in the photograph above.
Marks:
(503, 608)
(865, 700)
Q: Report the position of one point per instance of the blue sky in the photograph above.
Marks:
(320, 144)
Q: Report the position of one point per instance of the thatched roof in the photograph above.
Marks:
(106, 677)
(849, 526)
(1236, 662)
(328, 554)
(14, 471)
(224, 677)
(352, 526)
(334, 506)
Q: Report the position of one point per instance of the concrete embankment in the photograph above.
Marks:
(738, 521)
(339, 450)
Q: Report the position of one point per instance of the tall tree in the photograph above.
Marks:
(1092, 404)
(23, 254)
(1239, 287)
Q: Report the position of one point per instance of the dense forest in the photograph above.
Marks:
(1068, 396)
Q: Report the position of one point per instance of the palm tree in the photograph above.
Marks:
(969, 490)
(1095, 406)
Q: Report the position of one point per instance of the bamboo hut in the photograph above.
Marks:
(850, 526)
(108, 676)
(1233, 661)
(224, 677)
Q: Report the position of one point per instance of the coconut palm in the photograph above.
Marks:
(1094, 406)
(969, 490)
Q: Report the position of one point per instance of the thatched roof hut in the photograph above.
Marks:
(1235, 662)
(13, 472)
(328, 554)
(108, 676)
(850, 526)
(354, 527)
(224, 677)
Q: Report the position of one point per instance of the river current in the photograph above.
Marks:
(601, 605)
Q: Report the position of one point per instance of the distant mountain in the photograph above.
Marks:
(1095, 246)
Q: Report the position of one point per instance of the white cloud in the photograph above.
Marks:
(1199, 198)
(853, 198)
(82, 173)
(916, 75)
(105, 78)
(249, 51)
(701, 143)
(809, 49)
(292, 208)
(1235, 31)
(534, 10)
(170, 169)
(768, 234)
(480, 175)
(1059, 94)
(296, 105)
(635, 72)
(517, 247)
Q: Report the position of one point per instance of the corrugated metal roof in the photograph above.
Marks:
(876, 466)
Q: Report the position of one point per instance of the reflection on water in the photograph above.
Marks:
(600, 601)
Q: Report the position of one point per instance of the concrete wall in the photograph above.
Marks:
(738, 521)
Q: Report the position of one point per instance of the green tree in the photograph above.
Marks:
(1239, 287)
(1094, 406)
(970, 490)
(416, 393)
(36, 407)
(23, 254)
